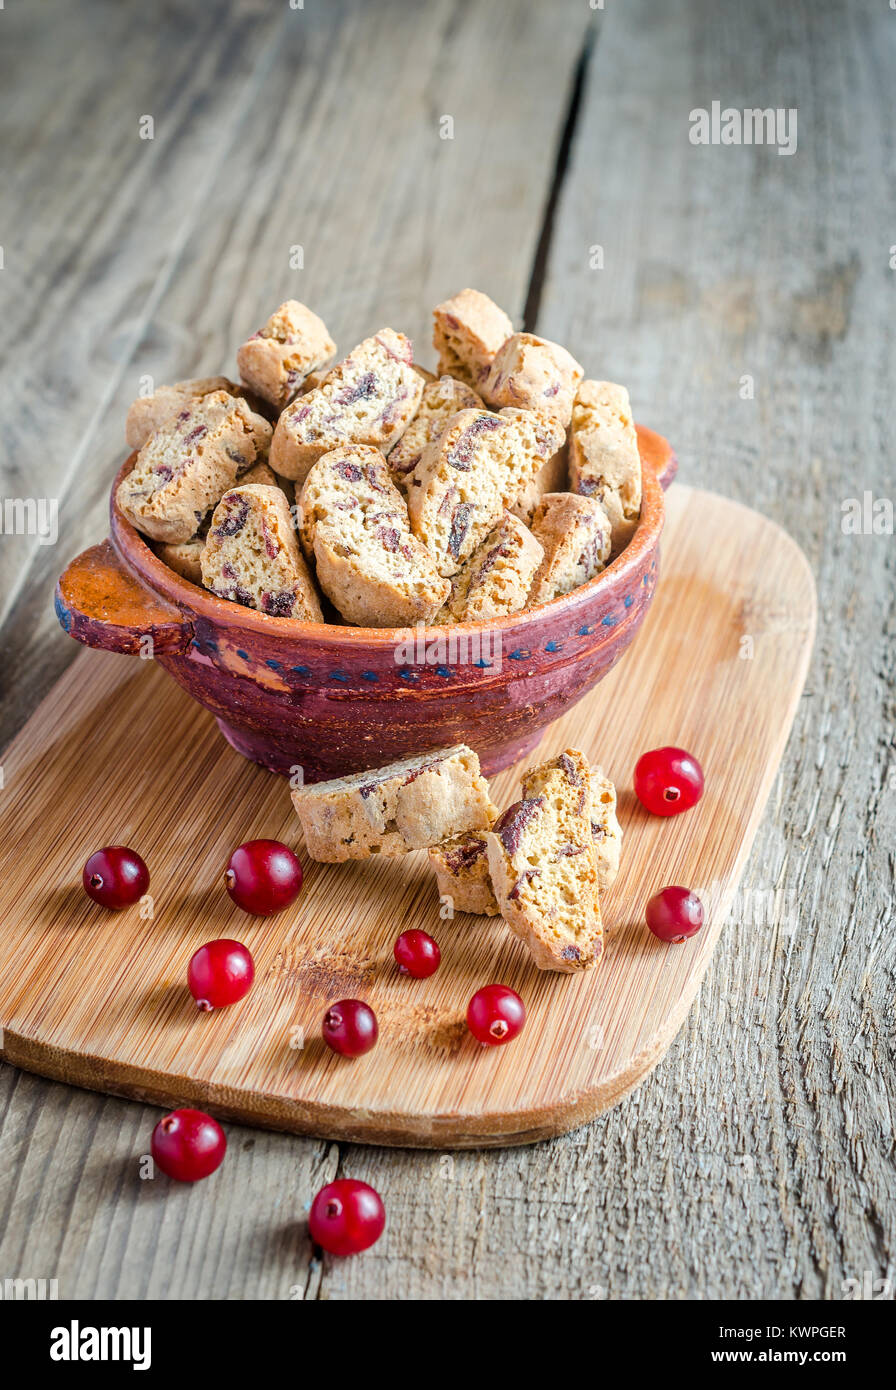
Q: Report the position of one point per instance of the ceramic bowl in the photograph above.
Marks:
(331, 699)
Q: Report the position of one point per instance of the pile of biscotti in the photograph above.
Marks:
(542, 864)
(375, 493)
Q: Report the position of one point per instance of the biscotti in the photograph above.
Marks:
(440, 400)
(252, 555)
(411, 804)
(461, 864)
(604, 461)
(369, 398)
(476, 470)
(543, 866)
(185, 467)
(552, 476)
(276, 360)
(461, 868)
(606, 832)
(354, 520)
(575, 535)
(185, 558)
(533, 374)
(147, 414)
(468, 330)
(496, 579)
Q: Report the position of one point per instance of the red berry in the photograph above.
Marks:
(188, 1145)
(674, 914)
(115, 876)
(263, 876)
(668, 781)
(349, 1027)
(495, 1014)
(417, 954)
(346, 1217)
(220, 973)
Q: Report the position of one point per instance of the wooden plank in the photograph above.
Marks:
(99, 999)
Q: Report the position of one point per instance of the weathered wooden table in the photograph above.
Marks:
(746, 297)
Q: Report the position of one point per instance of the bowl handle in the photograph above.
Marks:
(657, 453)
(100, 603)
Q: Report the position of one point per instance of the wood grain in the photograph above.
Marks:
(99, 999)
(757, 1161)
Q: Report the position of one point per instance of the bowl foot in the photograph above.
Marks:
(258, 748)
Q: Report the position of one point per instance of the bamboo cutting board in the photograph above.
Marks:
(117, 753)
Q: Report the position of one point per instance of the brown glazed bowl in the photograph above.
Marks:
(331, 699)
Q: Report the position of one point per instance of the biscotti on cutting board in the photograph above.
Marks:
(406, 805)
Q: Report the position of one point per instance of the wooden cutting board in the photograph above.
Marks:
(117, 753)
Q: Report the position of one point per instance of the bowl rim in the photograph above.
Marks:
(137, 553)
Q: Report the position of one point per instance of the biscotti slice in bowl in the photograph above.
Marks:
(604, 460)
(185, 557)
(543, 866)
(534, 374)
(496, 579)
(574, 533)
(461, 868)
(147, 414)
(468, 330)
(440, 400)
(476, 470)
(252, 555)
(552, 476)
(408, 805)
(354, 521)
(275, 361)
(370, 397)
(185, 467)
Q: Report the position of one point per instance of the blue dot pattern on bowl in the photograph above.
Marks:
(406, 673)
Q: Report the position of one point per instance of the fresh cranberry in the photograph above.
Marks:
(417, 954)
(220, 974)
(263, 876)
(115, 876)
(350, 1027)
(668, 781)
(346, 1217)
(495, 1014)
(188, 1145)
(674, 914)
